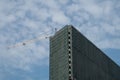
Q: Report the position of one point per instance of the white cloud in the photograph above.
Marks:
(107, 7)
(21, 57)
(112, 30)
(51, 4)
(92, 7)
(59, 17)
(63, 1)
(100, 23)
(73, 8)
(104, 35)
(21, 20)
(109, 43)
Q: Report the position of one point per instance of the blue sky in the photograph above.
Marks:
(21, 20)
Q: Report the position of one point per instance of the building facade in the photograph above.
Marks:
(74, 57)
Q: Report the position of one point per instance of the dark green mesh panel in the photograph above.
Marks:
(59, 55)
(88, 62)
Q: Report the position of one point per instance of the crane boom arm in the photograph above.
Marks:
(29, 41)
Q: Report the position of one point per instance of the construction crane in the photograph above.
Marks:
(28, 41)
(45, 35)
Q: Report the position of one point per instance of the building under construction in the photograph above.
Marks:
(74, 57)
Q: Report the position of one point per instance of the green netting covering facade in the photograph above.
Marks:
(73, 57)
(59, 55)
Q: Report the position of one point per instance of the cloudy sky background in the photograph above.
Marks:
(21, 20)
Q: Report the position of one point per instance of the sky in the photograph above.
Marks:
(21, 20)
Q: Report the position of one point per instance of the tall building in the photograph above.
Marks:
(74, 57)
